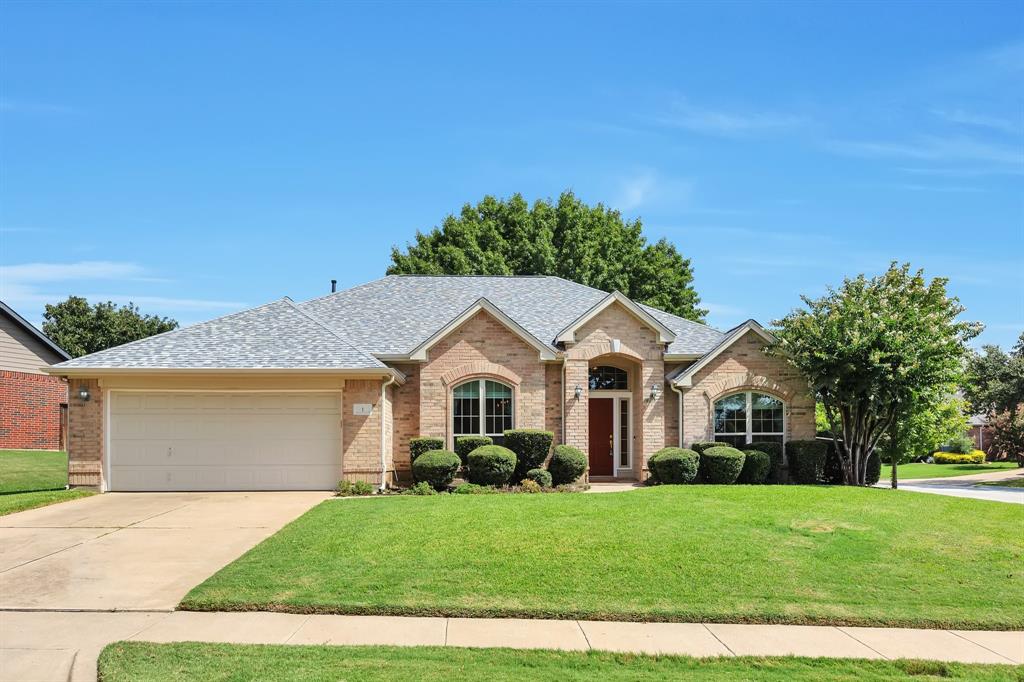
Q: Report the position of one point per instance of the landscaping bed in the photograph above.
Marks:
(198, 662)
(784, 554)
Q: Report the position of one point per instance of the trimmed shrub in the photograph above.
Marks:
(467, 444)
(975, 457)
(417, 446)
(674, 465)
(421, 488)
(528, 486)
(531, 447)
(807, 460)
(354, 488)
(436, 467)
(491, 465)
(874, 471)
(773, 450)
(756, 467)
(567, 464)
(473, 489)
(721, 464)
(541, 477)
(700, 446)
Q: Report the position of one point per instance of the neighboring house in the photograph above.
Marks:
(33, 405)
(298, 395)
(978, 430)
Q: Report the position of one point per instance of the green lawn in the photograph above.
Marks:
(923, 470)
(34, 478)
(1015, 483)
(789, 554)
(123, 661)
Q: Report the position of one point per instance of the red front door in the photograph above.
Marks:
(602, 423)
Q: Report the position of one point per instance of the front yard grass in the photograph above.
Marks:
(909, 472)
(784, 554)
(1015, 483)
(34, 478)
(197, 662)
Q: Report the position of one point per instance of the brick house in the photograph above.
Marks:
(299, 395)
(33, 405)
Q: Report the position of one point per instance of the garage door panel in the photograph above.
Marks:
(224, 441)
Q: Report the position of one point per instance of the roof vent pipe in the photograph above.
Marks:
(334, 285)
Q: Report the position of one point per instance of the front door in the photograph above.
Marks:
(602, 428)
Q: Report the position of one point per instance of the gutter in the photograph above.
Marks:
(679, 393)
(383, 453)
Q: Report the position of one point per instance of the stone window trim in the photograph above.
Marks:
(480, 370)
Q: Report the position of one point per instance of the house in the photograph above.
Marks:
(978, 431)
(299, 395)
(33, 405)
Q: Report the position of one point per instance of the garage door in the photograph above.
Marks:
(224, 441)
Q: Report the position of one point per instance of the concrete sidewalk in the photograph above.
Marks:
(53, 645)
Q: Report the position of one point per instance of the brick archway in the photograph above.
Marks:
(480, 369)
(733, 383)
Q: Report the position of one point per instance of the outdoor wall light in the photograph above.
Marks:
(579, 391)
(655, 391)
(83, 393)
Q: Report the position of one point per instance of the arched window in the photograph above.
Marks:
(482, 407)
(605, 378)
(744, 418)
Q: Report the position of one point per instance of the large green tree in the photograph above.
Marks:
(591, 245)
(995, 387)
(876, 350)
(80, 328)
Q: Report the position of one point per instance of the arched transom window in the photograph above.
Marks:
(482, 407)
(605, 378)
(744, 418)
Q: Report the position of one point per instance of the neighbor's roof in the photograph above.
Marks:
(393, 315)
(388, 318)
(276, 335)
(28, 327)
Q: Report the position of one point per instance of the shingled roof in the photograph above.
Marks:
(387, 318)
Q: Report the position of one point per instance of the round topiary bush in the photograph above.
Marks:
(437, 467)
(756, 467)
(721, 464)
(541, 477)
(774, 451)
(417, 446)
(491, 465)
(567, 464)
(700, 446)
(531, 447)
(674, 465)
(467, 444)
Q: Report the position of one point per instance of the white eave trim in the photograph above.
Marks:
(482, 304)
(685, 377)
(568, 335)
(369, 373)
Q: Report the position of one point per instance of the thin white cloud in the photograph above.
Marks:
(929, 148)
(59, 272)
(648, 188)
(23, 106)
(687, 116)
(951, 189)
(967, 118)
(964, 172)
(723, 309)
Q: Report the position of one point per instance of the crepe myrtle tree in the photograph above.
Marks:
(874, 350)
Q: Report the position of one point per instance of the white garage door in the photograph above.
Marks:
(224, 441)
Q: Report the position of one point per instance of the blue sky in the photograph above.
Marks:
(200, 158)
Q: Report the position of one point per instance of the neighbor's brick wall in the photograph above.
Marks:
(30, 410)
(360, 434)
(481, 347)
(85, 434)
(744, 366)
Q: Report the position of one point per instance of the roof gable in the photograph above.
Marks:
(482, 305)
(568, 334)
(685, 376)
(43, 340)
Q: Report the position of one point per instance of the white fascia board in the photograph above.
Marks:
(97, 372)
(684, 379)
(568, 335)
(482, 304)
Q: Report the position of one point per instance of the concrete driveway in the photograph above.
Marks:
(132, 551)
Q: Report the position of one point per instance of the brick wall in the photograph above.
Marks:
(743, 366)
(85, 434)
(406, 415)
(481, 347)
(360, 434)
(30, 410)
